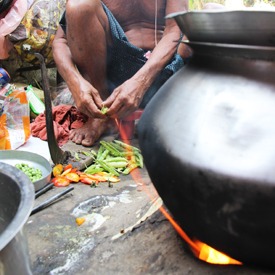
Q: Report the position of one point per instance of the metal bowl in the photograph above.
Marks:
(242, 27)
(16, 203)
(13, 157)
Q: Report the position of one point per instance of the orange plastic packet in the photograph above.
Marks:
(14, 120)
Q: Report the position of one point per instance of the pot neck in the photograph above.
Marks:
(232, 50)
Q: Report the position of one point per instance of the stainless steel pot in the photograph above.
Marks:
(207, 136)
(16, 203)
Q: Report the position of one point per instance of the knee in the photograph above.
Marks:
(82, 6)
(211, 6)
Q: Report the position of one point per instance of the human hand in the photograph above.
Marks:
(184, 50)
(88, 100)
(125, 99)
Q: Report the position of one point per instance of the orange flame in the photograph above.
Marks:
(201, 250)
(210, 255)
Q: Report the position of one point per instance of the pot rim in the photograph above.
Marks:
(223, 26)
(26, 203)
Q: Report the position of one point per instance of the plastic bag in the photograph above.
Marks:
(37, 30)
(14, 120)
(64, 96)
(9, 21)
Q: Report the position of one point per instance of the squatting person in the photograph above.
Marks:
(117, 54)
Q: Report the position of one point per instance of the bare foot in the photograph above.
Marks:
(90, 132)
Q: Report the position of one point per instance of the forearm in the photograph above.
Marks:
(159, 58)
(166, 47)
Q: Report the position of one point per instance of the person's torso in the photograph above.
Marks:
(141, 20)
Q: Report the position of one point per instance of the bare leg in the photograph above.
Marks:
(88, 35)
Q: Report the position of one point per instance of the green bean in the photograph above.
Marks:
(108, 168)
(126, 146)
(140, 160)
(104, 154)
(129, 168)
(93, 169)
(115, 159)
(111, 148)
(117, 164)
(100, 152)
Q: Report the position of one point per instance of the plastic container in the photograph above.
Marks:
(4, 77)
(36, 104)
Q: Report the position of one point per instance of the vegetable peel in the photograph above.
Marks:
(79, 221)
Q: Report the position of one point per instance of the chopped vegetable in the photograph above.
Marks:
(104, 154)
(107, 167)
(99, 177)
(80, 220)
(89, 181)
(57, 170)
(68, 166)
(34, 174)
(116, 157)
(104, 110)
(117, 164)
(76, 156)
(93, 169)
(66, 171)
(130, 168)
(60, 181)
(112, 159)
(111, 148)
(72, 177)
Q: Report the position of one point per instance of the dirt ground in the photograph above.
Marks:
(125, 232)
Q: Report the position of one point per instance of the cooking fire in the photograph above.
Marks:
(155, 155)
(200, 250)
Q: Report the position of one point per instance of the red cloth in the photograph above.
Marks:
(65, 118)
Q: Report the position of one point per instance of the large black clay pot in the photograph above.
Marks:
(208, 136)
